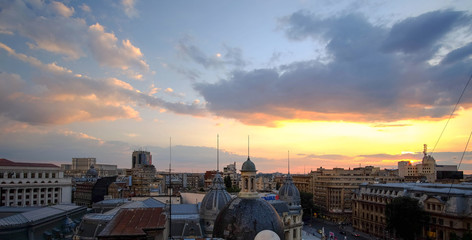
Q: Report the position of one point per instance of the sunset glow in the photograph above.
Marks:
(335, 83)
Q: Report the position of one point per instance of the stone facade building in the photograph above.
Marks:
(449, 207)
(333, 188)
(33, 184)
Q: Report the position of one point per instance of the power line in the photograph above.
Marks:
(452, 113)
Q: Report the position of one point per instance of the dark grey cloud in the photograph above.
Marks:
(360, 82)
(417, 33)
(458, 54)
(230, 56)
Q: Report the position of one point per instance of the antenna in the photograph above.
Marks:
(247, 146)
(170, 188)
(217, 153)
(288, 157)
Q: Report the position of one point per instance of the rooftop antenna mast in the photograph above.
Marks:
(217, 153)
(170, 188)
(247, 146)
(288, 157)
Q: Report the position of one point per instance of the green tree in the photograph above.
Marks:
(228, 182)
(308, 206)
(406, 217)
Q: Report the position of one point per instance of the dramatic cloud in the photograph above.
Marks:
(58, 96)
(53, 28)
(373, 73)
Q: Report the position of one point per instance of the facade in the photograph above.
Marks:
(33, 184)
(231, 171)
(265, 183)
(333, 188)
(80, 166)
(142, 178)
(303, 182)
(208, 178)
(449, 207)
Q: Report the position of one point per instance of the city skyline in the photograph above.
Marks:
(338, 84)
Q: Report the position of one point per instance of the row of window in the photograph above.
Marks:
(25, 175)
(27, 182)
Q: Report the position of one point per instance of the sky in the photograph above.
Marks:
(322, 83)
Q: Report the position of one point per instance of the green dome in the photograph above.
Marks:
(248, 166)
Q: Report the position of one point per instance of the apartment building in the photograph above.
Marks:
(333, 188)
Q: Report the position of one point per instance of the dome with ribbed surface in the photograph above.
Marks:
(92, 172)
(213, 202)
(244, 218)
(289, 192)
(248, 166)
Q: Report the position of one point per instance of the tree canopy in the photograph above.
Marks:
(406, 217)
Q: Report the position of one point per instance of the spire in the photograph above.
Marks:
(217, 152)
(425, 149)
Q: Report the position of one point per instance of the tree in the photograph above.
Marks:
(406, 217)
(228, 182)
(308, 206)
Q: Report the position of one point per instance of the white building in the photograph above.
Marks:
(33, 184)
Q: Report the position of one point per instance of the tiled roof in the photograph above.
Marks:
(131, 222)
(8, 163)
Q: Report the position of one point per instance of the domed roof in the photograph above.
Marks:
(248, 166)
(215, 199)
(289, 192)
(244, 218)
(92, 172)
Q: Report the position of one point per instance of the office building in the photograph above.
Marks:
(33, 184)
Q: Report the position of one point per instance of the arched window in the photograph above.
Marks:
(246, 183)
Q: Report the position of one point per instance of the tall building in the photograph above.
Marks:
(141, 158)
(142, 174)
(33, 184)
(449, 206)
(333, 188)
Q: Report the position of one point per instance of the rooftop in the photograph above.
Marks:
(8, 163)
(134, 222)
